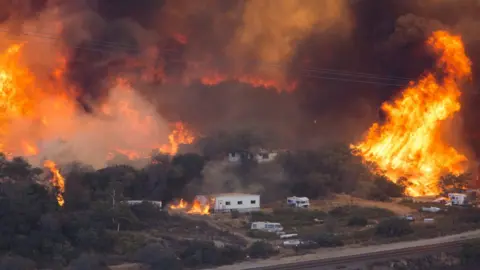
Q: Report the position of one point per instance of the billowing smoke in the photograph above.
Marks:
(302, 73)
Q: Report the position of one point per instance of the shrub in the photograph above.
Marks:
(328, 240)
(261, 249)
(88, 262)
(471, 215)
(375, 194)
(260, 216)
(366, 212)
(158, 257)
(262, 234)
(393, 227)
(357, 221)
(470, 253)
(147, 211)
(388, 187)
(231, 254)
(235, 214)
(200, 253)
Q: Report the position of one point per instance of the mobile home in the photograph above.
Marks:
(227, 202)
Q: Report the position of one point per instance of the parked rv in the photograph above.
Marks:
(266, 226)
(298, 202)
(457, 198)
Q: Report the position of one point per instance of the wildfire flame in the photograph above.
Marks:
(181, 205)
(199, 209)
(409, 144)
(57, 180)
(196, 209)
(179, 135)
(214, 78)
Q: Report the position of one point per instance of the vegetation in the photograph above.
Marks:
(261, 249)
(290, 217)
(454, 183)
(328, 240)
(393, 227)
(384, 189)
(470, 253)
(37, 232)
(358, 221)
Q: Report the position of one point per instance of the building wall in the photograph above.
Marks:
(240, 202)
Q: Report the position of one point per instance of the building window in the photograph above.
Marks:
(227, 203)
(239, 202)
(253, 202)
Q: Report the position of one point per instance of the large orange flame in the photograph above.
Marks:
(179, 135)
(181, 205)
(197, 207)
(57, 180)
(409, 144)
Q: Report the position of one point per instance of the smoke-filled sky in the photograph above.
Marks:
(189, 58)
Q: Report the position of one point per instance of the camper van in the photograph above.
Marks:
(298, 202)
(266, 226)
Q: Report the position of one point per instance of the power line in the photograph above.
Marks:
(319, 73)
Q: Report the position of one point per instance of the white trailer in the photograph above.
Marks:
(266, 226)
(298, 202)
(457, 198)
(227, 202)
(137, 202)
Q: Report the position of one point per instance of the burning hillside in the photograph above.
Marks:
(90, 81)
(410, 143)
(39, 118)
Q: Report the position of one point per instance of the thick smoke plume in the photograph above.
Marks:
(289, 70)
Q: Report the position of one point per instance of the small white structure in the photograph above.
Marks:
(234, 157)
(287, 236)
(227, 202)
(431, 209)
(136, 202)
(457, 198)
(298, 202)
(266, 226)
(264, 156)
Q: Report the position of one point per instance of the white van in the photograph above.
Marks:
(298, 202)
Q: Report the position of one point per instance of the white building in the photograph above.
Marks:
(457, 198)
(227, 202)
(265, 156)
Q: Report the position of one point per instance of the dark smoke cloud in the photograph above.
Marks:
(180, 41)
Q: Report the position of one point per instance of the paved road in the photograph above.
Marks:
(345, 256)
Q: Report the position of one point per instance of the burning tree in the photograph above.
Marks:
(410, 142)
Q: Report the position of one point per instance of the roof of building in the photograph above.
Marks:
(233, 194)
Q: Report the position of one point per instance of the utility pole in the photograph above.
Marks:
(113, 195)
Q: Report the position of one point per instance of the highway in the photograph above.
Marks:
(326, 259)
